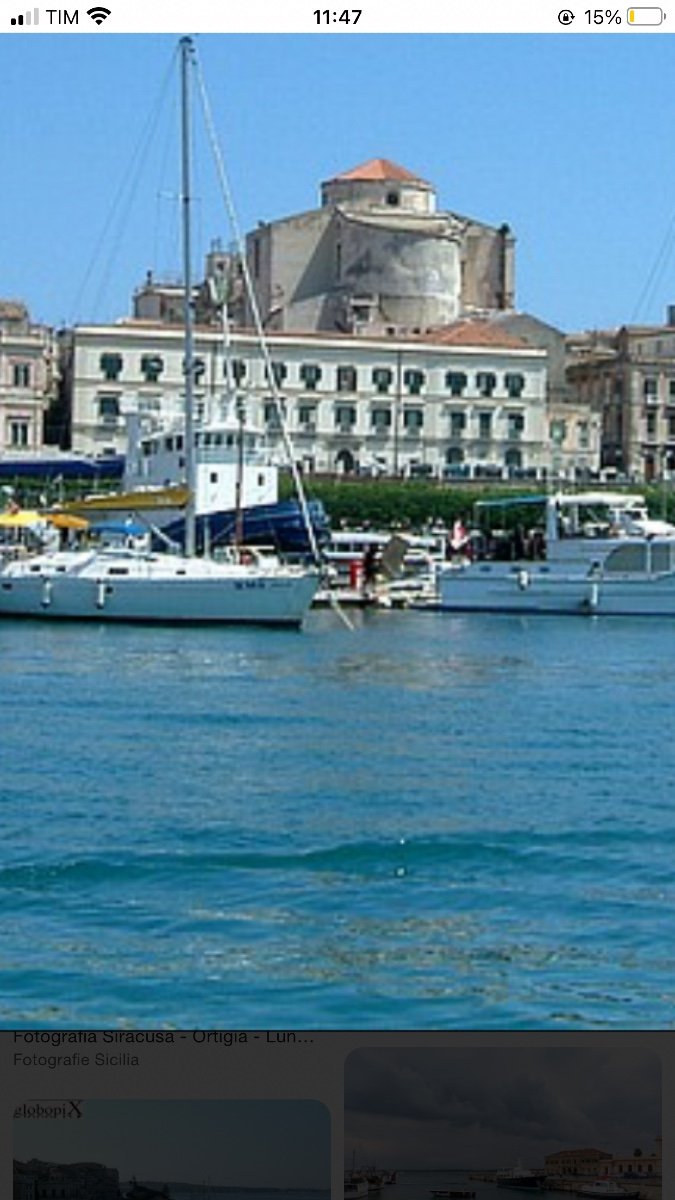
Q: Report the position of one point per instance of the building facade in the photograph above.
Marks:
(464, 402)
(574, 425)
(627, 378)
(601, 1164)
(587, 1161)
(38, 1180)
(377, 257)
(27, 378)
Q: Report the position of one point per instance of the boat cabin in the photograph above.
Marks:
(228, 456)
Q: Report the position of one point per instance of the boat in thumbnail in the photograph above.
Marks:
(595, 553)
(236, 483)
(355, 1186)
(607, 1189)
(135, 583)
(521, 1178)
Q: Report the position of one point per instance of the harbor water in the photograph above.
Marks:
(433, 821)
(418, 1185)
(203, 1192)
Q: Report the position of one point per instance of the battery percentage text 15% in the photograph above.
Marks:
(602, 16)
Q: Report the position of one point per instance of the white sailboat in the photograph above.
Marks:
(133, 584)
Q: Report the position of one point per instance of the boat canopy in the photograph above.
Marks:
(566, 499)
(120, 528)
(512, 501)
(608, 499)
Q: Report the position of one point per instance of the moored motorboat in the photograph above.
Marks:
(600, 554)
(608, 1189)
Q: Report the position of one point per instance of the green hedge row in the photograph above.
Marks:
(409, 504)
(414, 504)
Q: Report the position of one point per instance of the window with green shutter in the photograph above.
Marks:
(346, 379)
(345, 417)
(383, 379)
(111, 366)
(310, 375)
(152, 366)
(414, 381)
(380, 418)
(486, 382)
(279, 373)
(413, 419)
(456, 381)
(515, 384)
(236, 369)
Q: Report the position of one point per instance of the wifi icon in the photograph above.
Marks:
(98, 14)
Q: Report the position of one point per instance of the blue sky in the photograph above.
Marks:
(568, 139)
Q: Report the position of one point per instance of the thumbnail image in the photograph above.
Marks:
(473, 1123)
(172, 1150)
(337, 491)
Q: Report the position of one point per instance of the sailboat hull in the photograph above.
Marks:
(153, 589)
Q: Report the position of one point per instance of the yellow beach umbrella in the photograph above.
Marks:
(23, 518)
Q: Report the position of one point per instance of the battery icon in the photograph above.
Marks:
(645, 16)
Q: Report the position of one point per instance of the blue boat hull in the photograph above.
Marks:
(47, 470)
(280, 525)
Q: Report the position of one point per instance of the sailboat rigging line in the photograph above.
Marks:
(129, 181)
(188, 59)
(658, 267)
(257, 319)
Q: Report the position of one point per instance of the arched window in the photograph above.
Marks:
(345, 462)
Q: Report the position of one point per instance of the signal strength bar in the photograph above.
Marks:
(31, 18)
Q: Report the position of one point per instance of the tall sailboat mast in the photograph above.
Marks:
(187, 54)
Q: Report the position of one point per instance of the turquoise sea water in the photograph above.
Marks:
(433, 821)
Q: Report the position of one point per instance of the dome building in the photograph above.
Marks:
(378, 258)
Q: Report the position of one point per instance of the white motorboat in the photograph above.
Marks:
(599, 553)
(391, 570)
(131, 584)
(608, 1189)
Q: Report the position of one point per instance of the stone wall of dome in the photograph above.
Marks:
(412, 275)
(390, 195)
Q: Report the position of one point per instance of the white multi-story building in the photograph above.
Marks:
(26, 378)
(466, 401)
